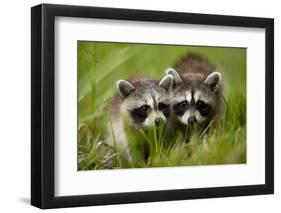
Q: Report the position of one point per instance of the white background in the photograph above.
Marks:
(70, 182)
(15, 106)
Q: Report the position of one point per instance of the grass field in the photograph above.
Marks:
(101, 64)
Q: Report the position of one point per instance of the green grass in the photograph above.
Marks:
(101, 64)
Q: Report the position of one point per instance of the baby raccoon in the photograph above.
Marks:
(144, 103)
(196, 95)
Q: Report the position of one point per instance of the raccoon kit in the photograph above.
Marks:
(143, 103)
(196, 97)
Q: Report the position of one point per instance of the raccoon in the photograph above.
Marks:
(196, 97)
(144, 103)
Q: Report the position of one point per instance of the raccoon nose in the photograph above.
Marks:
(192, 120)
(157, 121)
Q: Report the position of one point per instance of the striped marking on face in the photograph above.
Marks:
(199, 96)
(198, 106)
(155, 113)
(187, 96)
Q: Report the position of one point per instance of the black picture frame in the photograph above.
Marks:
(43, 102)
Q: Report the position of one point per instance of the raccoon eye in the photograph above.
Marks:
(165, 108)
(139, 114)
(183, 103)
(203, 108)
(181, 107)
(201, 104)
(144, 108)
(162, 106)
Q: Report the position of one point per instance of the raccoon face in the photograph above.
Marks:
(146, 102)
(195, 101)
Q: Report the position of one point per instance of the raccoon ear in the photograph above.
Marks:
(125, 88)
(176, 76)
(213, 80)
(166, 82)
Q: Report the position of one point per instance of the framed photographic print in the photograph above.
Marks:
(139, 106)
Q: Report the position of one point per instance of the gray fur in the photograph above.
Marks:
(125, 88)
(197, 81)
(166, 82)
(133, 95)
(176, 76)
(213, 80)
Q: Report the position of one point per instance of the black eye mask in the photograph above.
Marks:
(140, 114)
(180, 108)
(203, 108)
(165, 108)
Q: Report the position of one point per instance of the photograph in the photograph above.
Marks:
(160, 105)
(142, 105)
